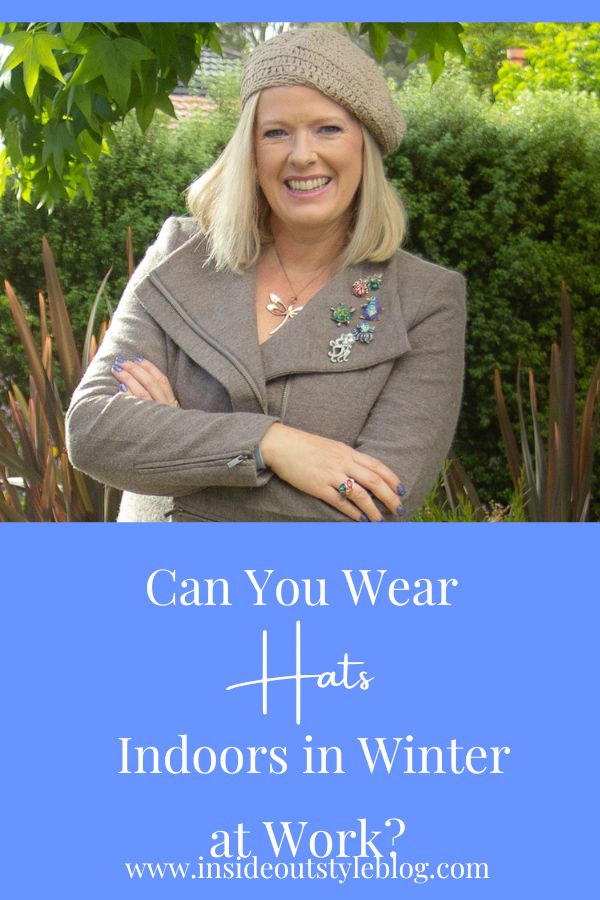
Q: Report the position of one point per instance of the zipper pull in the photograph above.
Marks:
(239, 459)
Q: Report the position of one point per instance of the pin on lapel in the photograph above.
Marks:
(341, 347)
(341, 314)
(363, 332)
(363, 286)
(372, 309)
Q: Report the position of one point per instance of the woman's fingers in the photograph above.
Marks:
(151, 379)
(386, 485)
(142, 379)
(379, 468)
(128, 384)
(388, 491)
(367, 488)
(357, 504)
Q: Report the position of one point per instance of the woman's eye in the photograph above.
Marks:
(331, 129)
(274, 133)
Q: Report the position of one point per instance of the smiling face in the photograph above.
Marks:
(309, 155)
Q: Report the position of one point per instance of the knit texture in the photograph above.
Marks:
(331, 63)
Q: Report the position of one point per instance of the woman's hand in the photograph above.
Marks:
(138, 377)
(319, 466)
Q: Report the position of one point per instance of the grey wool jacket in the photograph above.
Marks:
(396, 398)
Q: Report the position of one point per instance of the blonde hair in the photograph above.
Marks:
(233, 213)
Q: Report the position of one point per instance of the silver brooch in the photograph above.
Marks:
(341, 347)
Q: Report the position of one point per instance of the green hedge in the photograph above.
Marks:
(510, 196)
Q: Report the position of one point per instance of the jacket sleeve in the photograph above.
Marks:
(147, 447)
(411, 426)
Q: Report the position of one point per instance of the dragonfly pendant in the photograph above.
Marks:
(277, 307)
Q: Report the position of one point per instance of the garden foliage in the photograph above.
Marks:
(37, 481)
(555, 476)
(511, 197)
(559, 57)
(65, 85)
(486, 44)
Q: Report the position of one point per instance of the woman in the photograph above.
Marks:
(277, 357)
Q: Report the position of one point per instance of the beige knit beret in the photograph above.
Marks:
(333, 64)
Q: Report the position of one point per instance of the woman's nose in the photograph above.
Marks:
(302, 152)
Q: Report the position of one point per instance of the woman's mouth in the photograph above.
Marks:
(306, 186)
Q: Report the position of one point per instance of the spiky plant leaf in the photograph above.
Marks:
(61, 323)
(508, 435)
(87, 356)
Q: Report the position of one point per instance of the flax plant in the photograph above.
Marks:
(555, 474)
(37, 481)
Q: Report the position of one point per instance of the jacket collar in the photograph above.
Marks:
(211, 316)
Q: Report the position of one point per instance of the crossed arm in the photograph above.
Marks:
(312, 464)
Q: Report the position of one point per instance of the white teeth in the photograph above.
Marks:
(307, 185)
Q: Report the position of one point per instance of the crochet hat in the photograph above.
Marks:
(328, 61)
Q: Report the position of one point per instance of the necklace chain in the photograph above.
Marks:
(296, 294)
(277, 306)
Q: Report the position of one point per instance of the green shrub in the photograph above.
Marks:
(511, 197)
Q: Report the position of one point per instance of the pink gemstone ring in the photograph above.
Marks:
(346, 487)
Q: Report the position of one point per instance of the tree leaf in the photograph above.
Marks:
(378, 38)
(44, 44)
(435, 63)
(398, 30)
(163, 102)
(90, 144)
(20, 42)
(113, 60)
(33, 49)
(83, 101)
(71, 30)
(427, 36)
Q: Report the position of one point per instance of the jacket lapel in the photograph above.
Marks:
(302, 345)
(211, 316)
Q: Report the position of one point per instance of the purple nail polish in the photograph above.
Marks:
(138, 359)
(400, 490)
(400, 510)
(364, 517)
(120, 359)
(122, 387)
(117, 368)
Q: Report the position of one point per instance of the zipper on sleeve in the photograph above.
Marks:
(238, 459)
